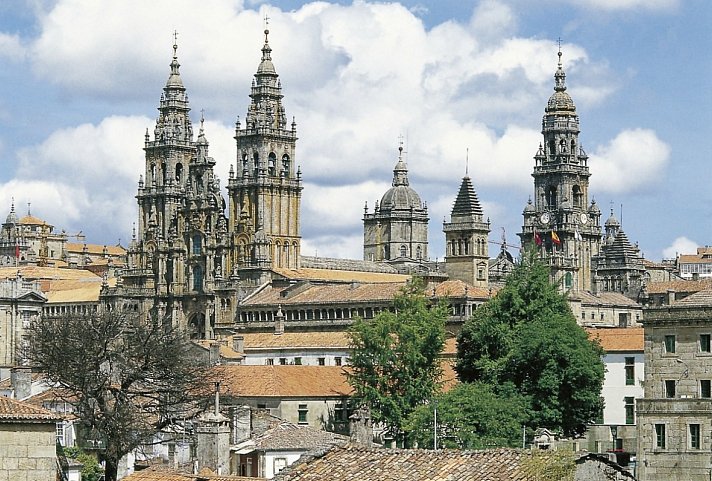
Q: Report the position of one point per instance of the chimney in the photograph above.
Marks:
(279, 322)
(238, 343)
(361, 427)
(670, 297)
(21, 382)
(241, 424)
(214, 353)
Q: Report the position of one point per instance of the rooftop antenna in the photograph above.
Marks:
(467, 162)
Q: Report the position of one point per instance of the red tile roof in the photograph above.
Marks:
(18, 411)
(283, 381)
(618, 339)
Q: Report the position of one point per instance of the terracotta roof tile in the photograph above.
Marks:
(329, 339)
(326, 293)
(341, 275)
(18, 411)
(457, 288)
(160, 473)
(94, 249)
(283, 381)
(622, 339)
(678, 286)
(606, 299)
(701, 298)
(36, 272)
(287, 436)
(357, 463)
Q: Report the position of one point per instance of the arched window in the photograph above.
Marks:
(418, 252)
(163, 172)
(568, 280)
(198, 278)
(285, 165)
(272, 164)
(256, 163)
(578, 196)
(153, 174)
(551, 197)
(403, 251)
(197, 244)
(179, 172)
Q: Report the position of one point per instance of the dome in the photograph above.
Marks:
(612, 221)
(594, 208)
(12, 216)
(560, 102)
(529, 208)
(400, 197)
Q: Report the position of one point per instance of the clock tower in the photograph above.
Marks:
(559, 223)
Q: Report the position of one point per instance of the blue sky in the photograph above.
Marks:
(80, 81)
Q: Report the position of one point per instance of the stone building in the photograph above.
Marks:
(560, 224)
(398, 226)
(21, 301)
(466, 248)
(675, 415)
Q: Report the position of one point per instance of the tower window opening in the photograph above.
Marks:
(163, 172)
(551, 197)
(418, 253)
(285, 165)
(272, 164)
(403, 251)
(578, 196)
(179, 172)
(256, 163)
(562, 146)
(552, 147)
(197, 244)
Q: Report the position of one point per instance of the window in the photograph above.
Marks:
(60, 433)
(694, 436)
(340, 413)
(197, 244)
(660, 436)
(704, 343)
(670, 344)
(601, 316)
(337, 361)
(670, 388)
(303, 411)
(270, 362)
(583, 315)
(283, 361)
(298, 361)
(629, 410)
(321, 361)
(629, 371)
(279, 464)
(705, 388)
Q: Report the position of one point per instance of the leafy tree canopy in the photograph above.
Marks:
(472, 416)
(394, 360)
(527, 335)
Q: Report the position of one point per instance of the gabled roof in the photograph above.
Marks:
(343, 275)
(618, 339)
(326, 293)
(606, 299)
(325, 339)
(159, 473)
(702, 298)
(373, 464)
(283, 381)
(678, 286)
(17, 411)
(94, 249)
(287, 436)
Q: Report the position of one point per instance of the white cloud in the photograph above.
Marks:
(633, 160)
(11, 47)
(492, 19)
(681, 245)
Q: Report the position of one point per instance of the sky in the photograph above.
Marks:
(462, 83)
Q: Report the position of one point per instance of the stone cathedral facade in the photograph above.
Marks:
(189, 263)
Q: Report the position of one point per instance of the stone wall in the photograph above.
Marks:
(27, 452)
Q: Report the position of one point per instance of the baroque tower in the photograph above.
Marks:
(265, 189)
(398, 226)
(560, 224)
(177, 264)
(466, 235)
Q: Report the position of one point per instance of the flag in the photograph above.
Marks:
(537, 238)
(555, 238)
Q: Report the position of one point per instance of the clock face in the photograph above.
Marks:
(545, 218)
(584, 218)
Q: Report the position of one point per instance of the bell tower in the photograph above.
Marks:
(265, 188)
(560, 224)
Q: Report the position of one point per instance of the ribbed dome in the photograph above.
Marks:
(560, 102)
(400, 197)
(612, 221)
(174, 80)
(266, 65)
(529, 208)
(12, 216)
(594, 208)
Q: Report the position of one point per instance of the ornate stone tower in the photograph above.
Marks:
(466, 235)
(265, 190)
(398, 226)
(177, 265)
(560, 224)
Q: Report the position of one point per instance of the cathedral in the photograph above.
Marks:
(213, 265)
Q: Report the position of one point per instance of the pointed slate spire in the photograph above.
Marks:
(467, 203)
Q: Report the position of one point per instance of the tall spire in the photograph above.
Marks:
(174, 80)
(467, 203)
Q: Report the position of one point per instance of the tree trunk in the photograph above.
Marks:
(111, 468)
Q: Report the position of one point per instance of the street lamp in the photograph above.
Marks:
(614, 435)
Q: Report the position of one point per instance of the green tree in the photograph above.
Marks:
(527, 335)
(91, 469)
(394, 361)
(127, 376)
(472, 416)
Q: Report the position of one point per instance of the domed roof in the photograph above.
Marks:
(529, 208)
(594, 208)
(174, 81)
(401, 196)
(12, 216)
(612, 221)
(266, 66)
(560, 101)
